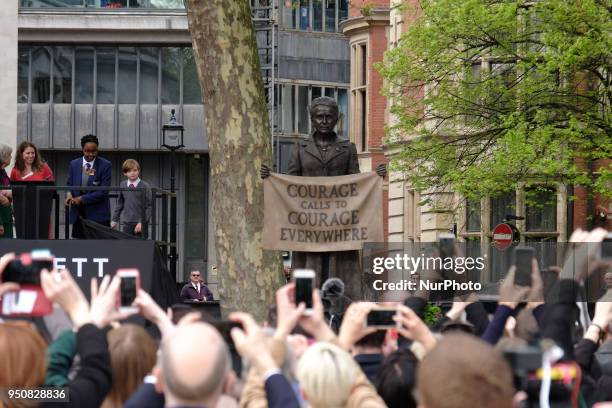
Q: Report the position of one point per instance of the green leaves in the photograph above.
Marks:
(487, 94)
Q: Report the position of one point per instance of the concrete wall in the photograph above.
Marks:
(8, 72)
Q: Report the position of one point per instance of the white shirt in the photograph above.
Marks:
(133, 183)
(196, 286)
(91, 163)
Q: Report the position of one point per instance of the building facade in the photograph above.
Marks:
(550, 215)
(115, 68)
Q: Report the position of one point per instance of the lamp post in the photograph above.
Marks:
(172, 139)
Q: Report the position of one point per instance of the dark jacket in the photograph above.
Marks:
(370, 363)
(93, 381)
(306, 159)
(190, 293)
(341, 159)
(95, 203)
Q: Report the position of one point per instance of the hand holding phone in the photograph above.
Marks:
(130, 284)
(304, 286)
(523, 257)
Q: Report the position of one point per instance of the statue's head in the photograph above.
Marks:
(324, 114)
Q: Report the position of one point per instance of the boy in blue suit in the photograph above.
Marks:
(88, 170)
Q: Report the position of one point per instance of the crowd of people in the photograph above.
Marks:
(89, 170)
(529, 353)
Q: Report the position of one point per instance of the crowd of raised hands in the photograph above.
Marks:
(298, 360)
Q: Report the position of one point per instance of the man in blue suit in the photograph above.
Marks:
(88, 170)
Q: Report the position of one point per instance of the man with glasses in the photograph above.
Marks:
(196, 289)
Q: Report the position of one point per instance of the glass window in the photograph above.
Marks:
(541, 209)
(171, 75)
(127, 75)
(191, 83)
(83, 78)
(290, 11)
(363, 120)
(329, 92)
(105, 81)
(316, 92)
(343, 10)
(472, 209)
(304, 15)
(288, 108)
(502, 206)
(330, 16)
(364, 64)
(41, 76)
(317, 15)
(62, 74)
(302, 114)
(23, 73)
(149, 63)
(342, 126)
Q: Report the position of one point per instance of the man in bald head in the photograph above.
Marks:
(190, 374)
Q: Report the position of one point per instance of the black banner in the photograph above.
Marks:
(86, 259)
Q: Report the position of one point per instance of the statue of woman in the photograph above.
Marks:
(324, 155)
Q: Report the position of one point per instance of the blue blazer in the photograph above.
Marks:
(95, 204)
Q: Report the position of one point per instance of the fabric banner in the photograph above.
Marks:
(322, 214)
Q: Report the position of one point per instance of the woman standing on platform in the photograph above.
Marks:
(6, 198)
(29, 166)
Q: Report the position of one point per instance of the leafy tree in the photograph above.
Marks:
(486, 94)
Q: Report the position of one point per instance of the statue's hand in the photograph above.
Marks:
(381, 170)
(264, 171)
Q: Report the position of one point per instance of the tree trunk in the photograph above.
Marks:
(239, 136)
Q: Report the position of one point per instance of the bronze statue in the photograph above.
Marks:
(325, 155)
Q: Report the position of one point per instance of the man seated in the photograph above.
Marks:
(196, 289)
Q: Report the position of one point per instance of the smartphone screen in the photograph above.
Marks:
(522, 261)
(128, 290)
(381, 318)
(303, 291)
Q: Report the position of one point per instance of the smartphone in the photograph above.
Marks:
(381, 318)
(522, 262)
(605, 250)
(30, 299)
(446, 244)
(224, 327)
(130, 283)
(25, 269)
(304, 285)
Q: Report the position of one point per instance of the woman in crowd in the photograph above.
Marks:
(6, 197)
(133, 354)
(29, 165)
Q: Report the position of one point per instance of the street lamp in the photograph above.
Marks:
(172, 139)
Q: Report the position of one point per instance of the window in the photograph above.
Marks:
(127, 75)
(105, 80)
(62, 74)
(302, 114)
(541, 209)
(191, 83)
(330, 15)
(23, 75)
(83, 78)
(315, 15)
(171, 75)
(502, 206)
(41, 75)
(106, 4)
(149, 61)
(291, 109)
(472, 216)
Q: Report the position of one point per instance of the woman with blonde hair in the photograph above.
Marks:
(133, 355)
(327, 375)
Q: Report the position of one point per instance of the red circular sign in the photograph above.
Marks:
(503, 235)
